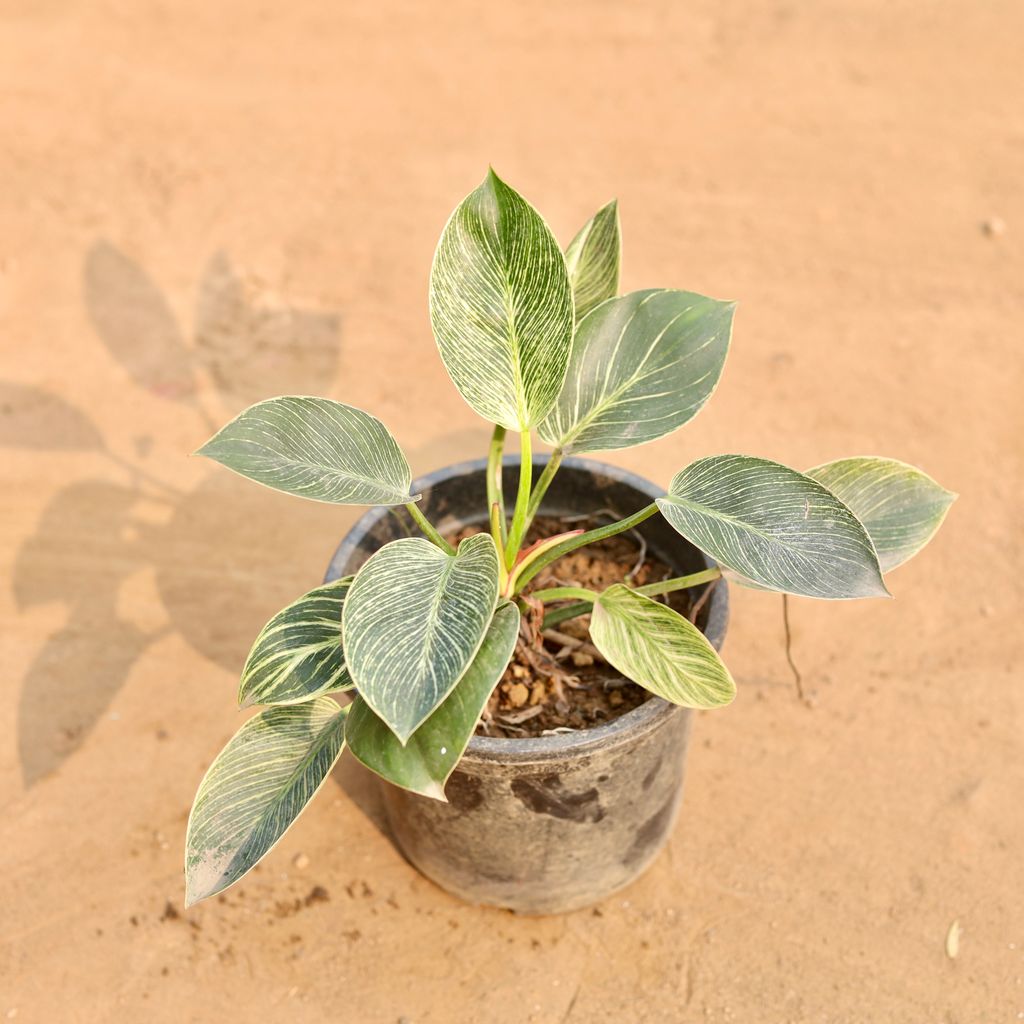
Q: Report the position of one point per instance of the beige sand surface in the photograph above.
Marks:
(202, 204)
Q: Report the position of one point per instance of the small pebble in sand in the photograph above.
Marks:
(300, 861)
(953, 940)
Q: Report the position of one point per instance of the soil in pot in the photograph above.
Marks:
(557, 680)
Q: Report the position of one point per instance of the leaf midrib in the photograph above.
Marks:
(741, 524)
(315, 748)
(279, 461)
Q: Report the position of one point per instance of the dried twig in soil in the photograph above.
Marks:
(702, 600)
(797, 678)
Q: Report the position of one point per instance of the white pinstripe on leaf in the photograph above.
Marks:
(255, 789)
(900, 507)
(656, 647)
(434, 749)
(298, 653)
(414, 619)
(593, 259)
(315, 448)
(641, 366)
(774, 526)
(501, 306)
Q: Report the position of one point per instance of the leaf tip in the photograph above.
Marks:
(435, 791)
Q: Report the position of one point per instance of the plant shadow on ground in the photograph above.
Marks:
(217, 583)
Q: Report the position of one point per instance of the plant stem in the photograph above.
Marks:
(584, 538)
(564, 593)
(495, 495)
(428, 529)
(518, 528)
(679, 582)
(543, 483)
(570, 611)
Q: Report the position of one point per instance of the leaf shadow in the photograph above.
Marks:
(252, 351)
(93, 535)
(77, 557)
(136, 324)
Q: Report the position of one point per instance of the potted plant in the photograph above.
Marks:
(526, 701)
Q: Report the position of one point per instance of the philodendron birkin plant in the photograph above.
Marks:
(535, 341)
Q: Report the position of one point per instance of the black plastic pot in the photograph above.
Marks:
(553, 823)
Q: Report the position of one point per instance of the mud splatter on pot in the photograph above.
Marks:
(553, 823)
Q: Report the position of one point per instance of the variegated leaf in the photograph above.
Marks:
(414, 619)
(298, 654)
(900, 507)
(593, 258)
(315, 448)
(656, 647)
(775, 526)
(434, 749)
(641, 366)
(256, 788)
(501, 306)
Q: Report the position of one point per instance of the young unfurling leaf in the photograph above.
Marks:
(593, 259)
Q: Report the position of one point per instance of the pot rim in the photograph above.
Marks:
(650, 715)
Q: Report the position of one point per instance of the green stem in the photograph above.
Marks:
(543, 483)
(564, 593)
(584, 538)
(495, 495)
(570, 611)
(428, 529)
(518, 528)
(679, 582)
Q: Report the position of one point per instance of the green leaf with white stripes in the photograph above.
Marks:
(656, 647)
(434, 749)
(298, 654)
(641, 366)
(414, 619)
(256, 788)
(900, 507)
(775, 526)
(315, 448)
(593, 259)
(501, 306)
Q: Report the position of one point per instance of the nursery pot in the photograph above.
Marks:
(552, 823)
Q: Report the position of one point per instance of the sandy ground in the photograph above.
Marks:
(205, 204)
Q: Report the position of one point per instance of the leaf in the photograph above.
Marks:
(593, 258)
(641, 366)
(315, 448)
(656, 647)
(256, 788)
(414, 619)
(501, 306)
(434, 749)
(900, 507)
(298, 654)
(775, 526)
